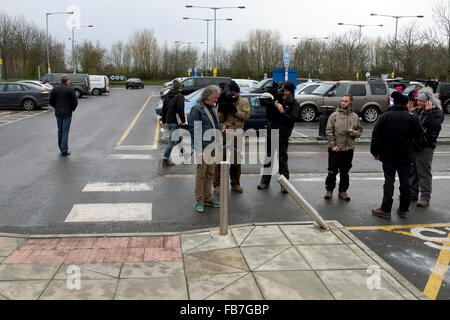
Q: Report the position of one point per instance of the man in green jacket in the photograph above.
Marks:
(342, 129)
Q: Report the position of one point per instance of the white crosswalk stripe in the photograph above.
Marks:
(110, 212)
(117, 187)
(131, 156)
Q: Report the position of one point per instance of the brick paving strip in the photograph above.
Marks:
(97, 250)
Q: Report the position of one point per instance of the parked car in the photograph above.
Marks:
(193, 84)
(23, 95)
(45, 86)
(307, 88)
(305, 80)
(134, 83)
(169, 84)
(261, 86)
(79, 82)
(246, 83)
(99, 84)
(443, 93)
(371, 98)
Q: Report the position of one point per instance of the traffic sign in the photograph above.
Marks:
(287, 58)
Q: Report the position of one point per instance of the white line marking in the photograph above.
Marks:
(23, 118)
(117, 187)
(130, 156)
(110, 212)
(135, 148)
(300, 134)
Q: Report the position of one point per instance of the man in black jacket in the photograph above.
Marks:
(393, 140)
(64, 100)
(283, 118)
(431, 118)
(173, 118)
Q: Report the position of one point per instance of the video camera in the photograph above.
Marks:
(270, 96)
(227, 100)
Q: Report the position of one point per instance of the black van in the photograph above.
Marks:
(443, 92)
(79, 82)
(193, 84)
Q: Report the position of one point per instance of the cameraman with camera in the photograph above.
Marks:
(281, 116)
(233, 112)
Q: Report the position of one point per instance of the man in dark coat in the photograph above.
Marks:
(283, 118)
(64, 100)
(173, 118)
(393, 140)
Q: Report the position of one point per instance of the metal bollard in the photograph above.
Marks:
(303, 203)
(323, 121)
(224, 197)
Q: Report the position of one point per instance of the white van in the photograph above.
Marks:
(245, 83)
(99, 85)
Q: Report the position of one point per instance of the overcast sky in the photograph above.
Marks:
(114, 20)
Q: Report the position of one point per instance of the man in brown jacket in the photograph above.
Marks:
(342, 129)
(233, 121)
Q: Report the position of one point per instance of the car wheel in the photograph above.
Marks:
(447, 108)
(95, 92)
(371, 114)
(78, 93)
(28, 104)
(308, 114)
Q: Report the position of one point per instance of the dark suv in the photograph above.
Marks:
(79, 82)
(443, 93)
(193, 84)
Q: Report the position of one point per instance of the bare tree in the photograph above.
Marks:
(441, 14)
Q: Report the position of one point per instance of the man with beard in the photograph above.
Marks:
(283, 118)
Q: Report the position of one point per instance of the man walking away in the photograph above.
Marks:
(431, 118)
(173, 118)
(64, 100)
(393, 140)
(343, 128)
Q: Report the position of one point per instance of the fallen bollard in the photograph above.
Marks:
(303, 203)
(224, 197)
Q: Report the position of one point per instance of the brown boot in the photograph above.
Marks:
(382, 214)
(237, 188)
(423, 203)
(344, 196)
(167, 163)
(328, 195)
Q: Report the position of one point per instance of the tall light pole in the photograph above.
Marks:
(189, 46)
(215, 23)
(49, 69)
(1, 60)
(207, 36)
(73, 45)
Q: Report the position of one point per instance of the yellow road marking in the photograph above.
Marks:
(390, 228)
(156, 140)
(437, 277)
(127, 132)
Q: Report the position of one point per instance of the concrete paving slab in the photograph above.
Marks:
(8, 245)
(195, 267)
(190, 241)
(257, 256)
(331, 257)
(243, 289)
(292, 285)
(28, 272)
(223, 242)
(266, 236)
(167, 288)
(289, 260)
(397, 286)
(151, 270)
(2, 298)
(240, 234)
(22, 290)
(89, 290)
(2, 259)
(201, 288)
(229, 257)
(305, 235)
(91, 271)
(353, 285)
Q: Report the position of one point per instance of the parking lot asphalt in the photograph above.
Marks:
(116, 163)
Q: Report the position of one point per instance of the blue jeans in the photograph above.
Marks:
(172, 127)
(63, 132)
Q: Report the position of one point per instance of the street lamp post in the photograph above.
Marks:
(396, 24)
(73, 45)
(215, 23)
(207, 36)
(49, 69)
(189, 44)
(1, 61)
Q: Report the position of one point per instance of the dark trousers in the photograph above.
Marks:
(283, 157)
(339, 162)
(235, 167)
(403, 170)
(63, 132)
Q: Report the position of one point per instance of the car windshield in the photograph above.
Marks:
(323, 89)
(133, 80)
(193, 95)
(261, 84)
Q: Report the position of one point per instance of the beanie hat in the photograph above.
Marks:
(177, 85)
(399, 98)
(289, 86)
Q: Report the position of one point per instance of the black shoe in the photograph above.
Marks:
(262, 186)
(402, 214)
(283, 190)
(66, 154)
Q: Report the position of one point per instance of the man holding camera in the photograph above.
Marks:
(282, 117)
(233, 120)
